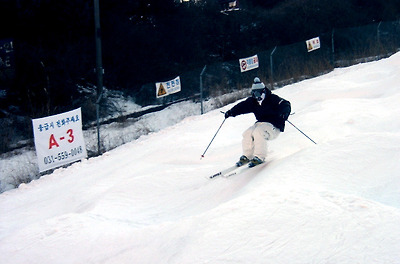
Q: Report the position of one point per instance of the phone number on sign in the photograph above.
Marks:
(63, 155)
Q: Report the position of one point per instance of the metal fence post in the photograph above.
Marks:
(333, 47)
(272, 68)
(201, 88)
(378, 33)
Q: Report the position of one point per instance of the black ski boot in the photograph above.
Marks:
(255, 161)
(243, 160)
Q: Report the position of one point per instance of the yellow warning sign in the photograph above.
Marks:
(310, 47)
(169, 87)
(161, 90)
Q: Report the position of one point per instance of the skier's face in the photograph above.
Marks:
(258, 94)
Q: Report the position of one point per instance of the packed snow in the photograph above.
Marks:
(149, 201)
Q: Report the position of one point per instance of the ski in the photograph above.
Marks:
(244, 169)
(224, 172)
(234, 170)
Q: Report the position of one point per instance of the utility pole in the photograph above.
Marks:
(99, 68)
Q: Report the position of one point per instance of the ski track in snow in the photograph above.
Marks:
(149, 201)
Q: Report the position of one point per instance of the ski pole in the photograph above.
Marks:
(202, 156)
(302, 132)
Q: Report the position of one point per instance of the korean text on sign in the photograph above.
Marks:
(249, 63)
(59, 139)
(169, 87)
(313, 44)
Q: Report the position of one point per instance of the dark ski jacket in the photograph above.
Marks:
(273, 109)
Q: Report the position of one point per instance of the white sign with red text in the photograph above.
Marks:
(313, 44)
(59, 139)
(249, 63)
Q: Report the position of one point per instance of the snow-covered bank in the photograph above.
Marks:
(148, 201)
(20, 166)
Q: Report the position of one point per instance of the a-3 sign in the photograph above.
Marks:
(59, 139)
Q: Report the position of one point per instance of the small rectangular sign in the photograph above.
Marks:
(167, 88)
(313, 44)
(249, 63)
(6, 54)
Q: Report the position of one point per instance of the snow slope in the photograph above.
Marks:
(148, 201)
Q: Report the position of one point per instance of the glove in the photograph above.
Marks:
(284, 116)
(228, 114)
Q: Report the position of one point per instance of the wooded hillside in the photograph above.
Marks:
(150, 40)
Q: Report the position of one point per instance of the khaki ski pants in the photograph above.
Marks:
(255, 138)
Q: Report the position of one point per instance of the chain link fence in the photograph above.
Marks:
(287, 64)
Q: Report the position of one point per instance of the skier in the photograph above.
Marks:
(271, 112)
